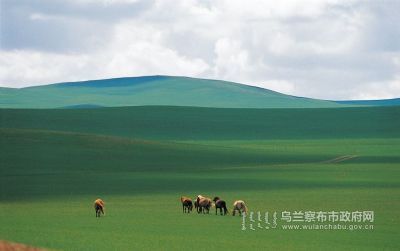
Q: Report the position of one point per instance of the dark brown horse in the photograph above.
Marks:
(221, 204)
(187, 204)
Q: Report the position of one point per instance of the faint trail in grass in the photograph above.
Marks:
(341, 159)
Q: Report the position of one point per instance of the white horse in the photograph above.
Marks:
(240, 206)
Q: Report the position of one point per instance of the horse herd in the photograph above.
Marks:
(203, 204)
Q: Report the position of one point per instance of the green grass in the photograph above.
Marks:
(183, 123)
(54, 163)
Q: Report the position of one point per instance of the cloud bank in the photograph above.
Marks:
(322, 49)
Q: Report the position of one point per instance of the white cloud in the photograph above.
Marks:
(38, 16)
(231, 60)
(282, 86)
(136, 49)
(381, 90)
(105, 2)
(20, 67)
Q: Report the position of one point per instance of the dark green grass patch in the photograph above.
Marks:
(185, 123)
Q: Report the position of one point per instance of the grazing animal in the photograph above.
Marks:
(99, 207)
(203, 204)
(221, 204)
(187, 204)
(196, 203)
(239, 206)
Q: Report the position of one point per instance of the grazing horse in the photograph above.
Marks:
(221, 204)
(99, 207)
(203, 204)
(240, 206)
(196, 203)
(187, 204)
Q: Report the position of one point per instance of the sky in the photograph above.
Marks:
(329, 49)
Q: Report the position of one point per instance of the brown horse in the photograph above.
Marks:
(221, 204)
(187, 204)
(203, 204)
(196, 203)
(240, 206)
(99, 207)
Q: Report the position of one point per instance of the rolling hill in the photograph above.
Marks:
(153, 90)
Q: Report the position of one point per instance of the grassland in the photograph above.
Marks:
(140, 160)
(185, 123)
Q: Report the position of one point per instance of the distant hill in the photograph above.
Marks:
(153, 90)
(381, 102)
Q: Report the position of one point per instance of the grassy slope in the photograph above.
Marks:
(54, 165)
(184, 123)
(153, 90)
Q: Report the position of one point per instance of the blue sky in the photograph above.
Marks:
(323, 49)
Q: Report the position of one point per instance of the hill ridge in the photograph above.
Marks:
(165, 91)
(154, 90)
